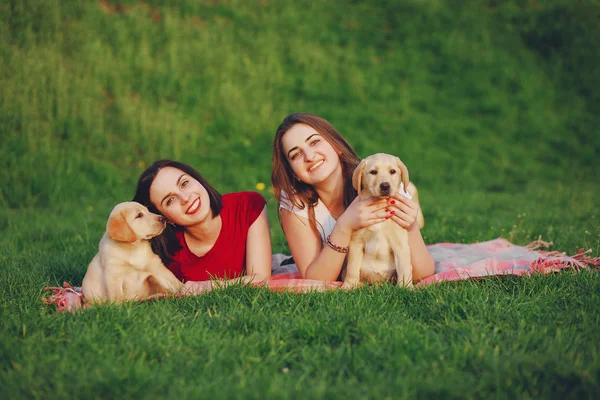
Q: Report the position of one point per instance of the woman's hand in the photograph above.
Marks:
(364, 212)
(402, 210)
(196, 288)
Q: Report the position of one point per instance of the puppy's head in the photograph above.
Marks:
(380, 175)
(131, 221)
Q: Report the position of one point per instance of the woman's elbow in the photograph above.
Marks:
(261, 276)
(318, 275)
(425, 269)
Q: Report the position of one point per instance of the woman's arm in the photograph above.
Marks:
(258, 249)
(195, 288)
(312, 260)
(422, 262)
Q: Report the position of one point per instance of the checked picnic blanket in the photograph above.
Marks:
(452, 262)
(455, 262)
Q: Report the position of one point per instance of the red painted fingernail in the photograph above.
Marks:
(392, 212)
(393, 202)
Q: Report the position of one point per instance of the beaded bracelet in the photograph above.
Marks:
(335, 247)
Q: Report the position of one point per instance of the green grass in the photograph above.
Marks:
(505, 338)
(492, 106)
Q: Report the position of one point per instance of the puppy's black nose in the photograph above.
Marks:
(384, 187)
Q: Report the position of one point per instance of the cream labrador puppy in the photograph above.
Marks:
(381, 251)
(126, 268)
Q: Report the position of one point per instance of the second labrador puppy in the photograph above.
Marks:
(381, 251)
(126, 268)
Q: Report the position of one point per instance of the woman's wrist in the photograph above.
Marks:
(336, 247)
(339, 239)
(341, 228)
(414, 228)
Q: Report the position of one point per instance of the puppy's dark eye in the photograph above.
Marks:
(373, 172)
(139, 215)
(392, 171)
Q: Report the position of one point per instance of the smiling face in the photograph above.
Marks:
(312, 158)
(179, 197)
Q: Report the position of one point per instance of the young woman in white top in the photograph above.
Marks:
(319, 208)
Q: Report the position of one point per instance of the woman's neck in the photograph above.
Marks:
(331, 193)
(201, 237)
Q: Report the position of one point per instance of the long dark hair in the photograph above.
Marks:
(299, 193)
(167, 243)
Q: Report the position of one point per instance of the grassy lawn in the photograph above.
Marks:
(493, 106)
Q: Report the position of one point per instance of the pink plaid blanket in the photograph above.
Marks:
(452, 262)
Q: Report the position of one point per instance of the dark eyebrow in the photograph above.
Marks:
(171, 193)
(306, 140)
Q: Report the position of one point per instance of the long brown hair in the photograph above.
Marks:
(299, 193)
(166, 244)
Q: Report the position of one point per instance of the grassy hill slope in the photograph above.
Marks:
(475, 95)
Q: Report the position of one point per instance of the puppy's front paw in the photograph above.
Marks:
(347, 285)
(407, 284)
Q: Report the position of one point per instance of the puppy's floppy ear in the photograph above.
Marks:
(118, 229)
(357, 176)
(404, 172)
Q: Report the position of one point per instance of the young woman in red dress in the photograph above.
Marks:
(209, 236)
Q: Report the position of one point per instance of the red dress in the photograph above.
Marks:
(227, 258)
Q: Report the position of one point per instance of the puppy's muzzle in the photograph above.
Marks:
(160, 225)
(384, 189)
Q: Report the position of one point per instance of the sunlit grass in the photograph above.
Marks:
(492, 106)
